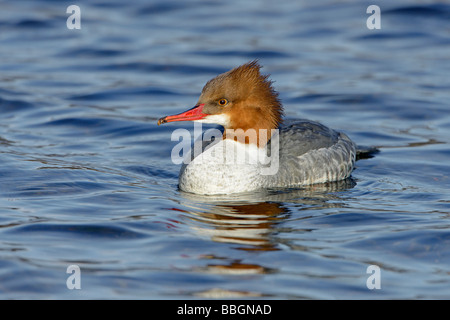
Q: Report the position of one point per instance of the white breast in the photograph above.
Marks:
(227, 166)
(224, 167)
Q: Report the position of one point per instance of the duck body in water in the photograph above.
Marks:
(257, 149)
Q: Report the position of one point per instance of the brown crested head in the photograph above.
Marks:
(240, 99)
(244, 99)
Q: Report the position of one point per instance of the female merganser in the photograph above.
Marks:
(274, 153)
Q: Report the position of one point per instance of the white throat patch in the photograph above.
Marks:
(221, 119)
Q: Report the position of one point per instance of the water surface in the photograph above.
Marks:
(86, 177)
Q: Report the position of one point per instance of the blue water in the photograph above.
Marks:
(86, 177)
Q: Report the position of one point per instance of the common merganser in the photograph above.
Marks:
(277, 153)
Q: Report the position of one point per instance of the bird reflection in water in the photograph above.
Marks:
(251, 221)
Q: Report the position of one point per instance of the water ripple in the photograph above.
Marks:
(86, 175)
(86, 231)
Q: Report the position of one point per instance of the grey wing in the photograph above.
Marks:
(301, 136)
(310, 152)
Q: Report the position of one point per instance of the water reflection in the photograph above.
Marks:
(250, 221)
(248, 225)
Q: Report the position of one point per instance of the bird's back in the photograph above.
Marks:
(310, 152)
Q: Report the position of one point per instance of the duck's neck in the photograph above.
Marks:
(258, 137)
(253, 128)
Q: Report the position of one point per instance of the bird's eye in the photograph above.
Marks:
(223, 102)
